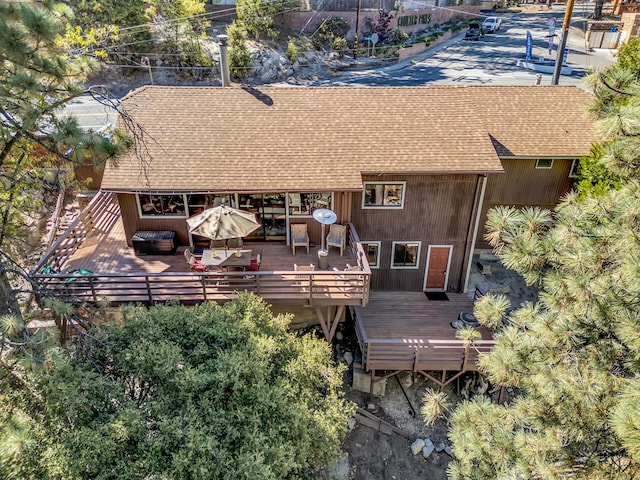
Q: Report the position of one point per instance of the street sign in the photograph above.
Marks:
(374, 38)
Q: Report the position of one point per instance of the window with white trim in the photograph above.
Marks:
(575, 169)
(383, 195)
(161, 205)
(405, 255)
(372, 252)
(544, 163)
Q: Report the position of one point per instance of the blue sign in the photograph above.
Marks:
(529, 49)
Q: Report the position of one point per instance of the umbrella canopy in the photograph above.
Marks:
(222, 223)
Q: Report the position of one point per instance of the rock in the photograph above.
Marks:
(348, 358)
(371, 406)
(341, 469)
(428, 448)
(417, 446)
(439, 446)
(351, 423)
(406, 379)
(448, 450)
(339, 336)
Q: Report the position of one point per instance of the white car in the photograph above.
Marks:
(491, 24)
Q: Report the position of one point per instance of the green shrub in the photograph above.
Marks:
(340, 46)
(399, 36)
(292, 50)
(239, 55)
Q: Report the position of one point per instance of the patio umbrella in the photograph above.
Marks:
(223, 223)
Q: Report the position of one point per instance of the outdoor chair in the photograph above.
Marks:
(219, 244)
(304, 280)
(337, 237)
(194, 262)
(349, 281)
(235, 243)
(299, 236)
(255, 263)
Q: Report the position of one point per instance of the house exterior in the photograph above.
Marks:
(413, 169)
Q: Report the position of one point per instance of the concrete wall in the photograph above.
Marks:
(410, 20)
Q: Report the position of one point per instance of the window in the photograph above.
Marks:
(304, 204)
(405, 255)
(544, 163)
(575, 169)
(161, 205)
(383, 195)
(198, 202)
(372, 252)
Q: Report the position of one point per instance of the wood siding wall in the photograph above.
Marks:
(524, 185)
(132, 221)
(438, 210)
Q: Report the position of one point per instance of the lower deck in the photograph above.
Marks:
(405, 331)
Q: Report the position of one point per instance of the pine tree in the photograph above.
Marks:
(37, 79)
(573, 358)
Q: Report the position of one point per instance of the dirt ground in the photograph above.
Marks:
(370, 454)
(373, 455)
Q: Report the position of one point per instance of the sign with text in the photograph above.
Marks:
(411, 20)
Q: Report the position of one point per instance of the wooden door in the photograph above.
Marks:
(437, 272)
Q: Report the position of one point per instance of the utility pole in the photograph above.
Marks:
(563, 42)
(355, 40)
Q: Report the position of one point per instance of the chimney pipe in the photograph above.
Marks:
(224, 60)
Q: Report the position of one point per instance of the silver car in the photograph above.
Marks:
(492, 24)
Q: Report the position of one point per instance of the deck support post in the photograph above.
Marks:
(328, 324)
(372, 373)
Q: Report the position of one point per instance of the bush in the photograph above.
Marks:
(292, 50)
(330, 29)
(340, 45)
(239, 56)
(399, 36)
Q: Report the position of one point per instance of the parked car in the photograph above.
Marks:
(474, 31)
(492, 24)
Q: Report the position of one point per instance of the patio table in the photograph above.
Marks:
(225, 258)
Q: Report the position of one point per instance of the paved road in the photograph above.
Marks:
(90, 114)
(491, 60)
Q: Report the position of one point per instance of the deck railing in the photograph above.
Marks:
(283, 287)
(288, 287)
(418, 354)
(96, 219)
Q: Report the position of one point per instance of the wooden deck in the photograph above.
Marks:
(95, 241)
(109, 253)
(400, 331)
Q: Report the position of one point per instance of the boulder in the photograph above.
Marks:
(428, 448)
(417, 446)
(348, 358)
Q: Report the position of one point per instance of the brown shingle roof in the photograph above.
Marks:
(323, 138)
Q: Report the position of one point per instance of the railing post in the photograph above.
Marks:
(146, 278)
(93, 289)
(203, 280)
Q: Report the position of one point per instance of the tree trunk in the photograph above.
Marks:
(8, 301)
